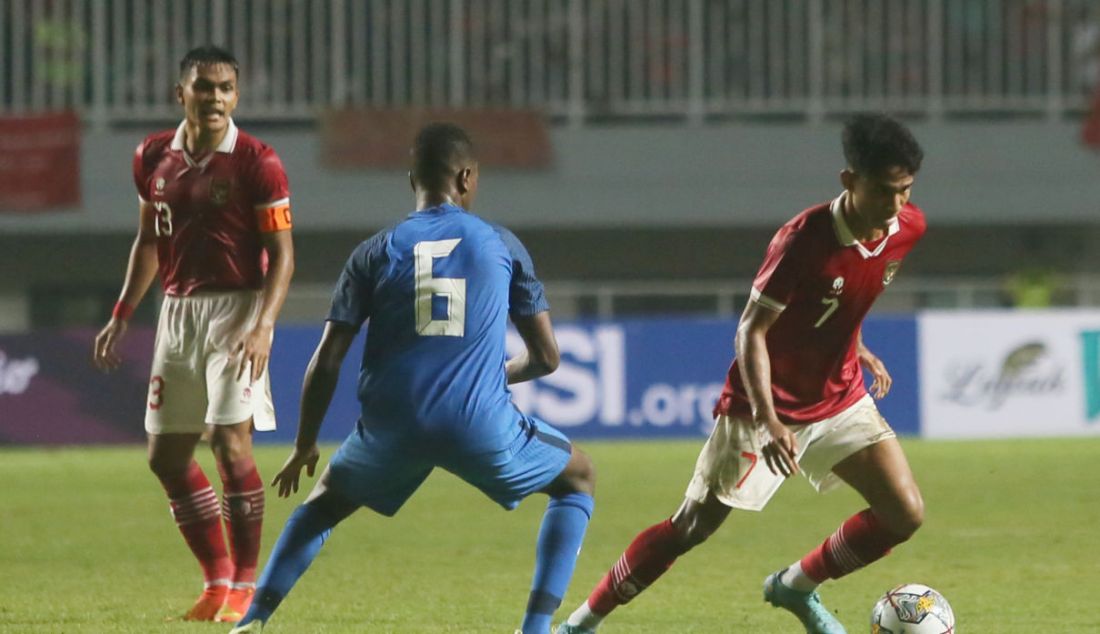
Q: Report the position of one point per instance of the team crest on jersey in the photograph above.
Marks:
(219, 191)
(891, 270)
(159, 185)
(838, 285)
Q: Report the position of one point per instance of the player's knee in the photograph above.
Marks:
(229, 452)
(909, 516)
(692, 530)
(230, 446)
(167, 467)
(913, 517)
(582, 476)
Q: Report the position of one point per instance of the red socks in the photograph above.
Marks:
(243, 510)
(860, 540)
(650, 554)
(195, 508)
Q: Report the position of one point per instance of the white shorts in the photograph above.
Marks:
(193, 383)
(732, 466)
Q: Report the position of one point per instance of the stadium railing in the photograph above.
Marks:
(308, 303)
(608, 299)
(577, 60)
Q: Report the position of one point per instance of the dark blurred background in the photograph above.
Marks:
(644, 150)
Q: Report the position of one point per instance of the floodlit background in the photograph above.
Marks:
(645, 151)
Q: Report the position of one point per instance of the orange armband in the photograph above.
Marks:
(275, 217)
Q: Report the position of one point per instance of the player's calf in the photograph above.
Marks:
(194, 507)
(559, 542)
(861, 540)
(651, 553)
(242, 509)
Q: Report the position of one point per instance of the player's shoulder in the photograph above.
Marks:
(912, 219)
(377, 241)
(248, 147)
(156, 143)
(494, 227)
(366, 255)
(813, 218)
(812, 223)
(505, 236)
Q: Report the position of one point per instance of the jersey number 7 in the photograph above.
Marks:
(452, 289)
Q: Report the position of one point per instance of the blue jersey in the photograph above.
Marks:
(438, 288)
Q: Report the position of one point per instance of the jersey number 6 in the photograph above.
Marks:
(451, 289)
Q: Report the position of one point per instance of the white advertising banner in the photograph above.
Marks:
(1009, 373)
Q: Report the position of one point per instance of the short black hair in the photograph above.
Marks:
(874, 143)
(208, 54)
(439, 152)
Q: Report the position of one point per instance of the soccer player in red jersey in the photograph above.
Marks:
(215, 224)
(795, 397)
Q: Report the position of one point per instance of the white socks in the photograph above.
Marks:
(584, 617)
(794, 578)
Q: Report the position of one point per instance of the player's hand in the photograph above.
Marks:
(288, 477)
(880, 385)
(104, 355)
(254, 351)
(781, 450)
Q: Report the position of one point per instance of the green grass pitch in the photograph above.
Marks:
(1012, 538)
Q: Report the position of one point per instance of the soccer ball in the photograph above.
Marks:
(912, 609)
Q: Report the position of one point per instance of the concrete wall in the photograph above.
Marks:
(658, 202)
(660, 175)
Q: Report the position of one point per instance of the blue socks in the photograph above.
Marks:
(305, 532)
(559, 543)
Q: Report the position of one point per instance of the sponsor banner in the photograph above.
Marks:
(651, 378)
(894, 340)
(50, 394)
(39, 162)
(1004, 374)
(645, 378)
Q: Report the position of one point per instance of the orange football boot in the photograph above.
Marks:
(235, 605)
(208, 604)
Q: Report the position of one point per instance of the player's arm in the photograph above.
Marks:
(755, 368)
(141, 270)
(318, 386)
(255, 349)
(541, 356)
(881, 380)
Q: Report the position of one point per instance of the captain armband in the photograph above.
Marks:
(274, 217)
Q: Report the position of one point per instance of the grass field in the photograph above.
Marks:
(1012, 538)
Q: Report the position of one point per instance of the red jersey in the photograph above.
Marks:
(210, 214)
(822, 281)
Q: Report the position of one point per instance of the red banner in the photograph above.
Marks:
(378, 138)
(39, 162)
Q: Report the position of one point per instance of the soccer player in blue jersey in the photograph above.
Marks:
(438, 288)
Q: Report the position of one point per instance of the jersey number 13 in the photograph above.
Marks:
(428, 288)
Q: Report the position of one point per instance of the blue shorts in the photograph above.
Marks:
(381, 472)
